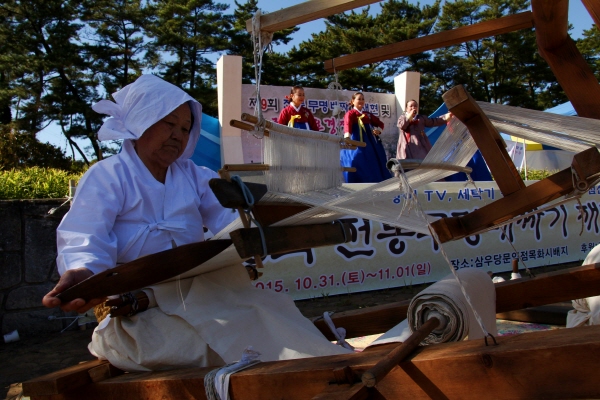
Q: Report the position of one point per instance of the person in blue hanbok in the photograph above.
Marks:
(369, 161)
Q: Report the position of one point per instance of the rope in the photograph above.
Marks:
(249, 200)
(338, 333)
(503, 227)
(416, 206)
(216, 382)
(261, 42)
(248, 197)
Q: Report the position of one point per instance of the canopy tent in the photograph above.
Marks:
(477, 163)
(540, 156)
(208, 149)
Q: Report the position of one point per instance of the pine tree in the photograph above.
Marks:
(504, 69)
(52, 81)
(275, 65)
(116, 41)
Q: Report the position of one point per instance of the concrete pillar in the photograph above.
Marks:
(229, 83)
(407, 86)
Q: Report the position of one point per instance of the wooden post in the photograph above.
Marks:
(560, 52)
(452, 37)
(374, 375)
(486, 136)
(305, 12)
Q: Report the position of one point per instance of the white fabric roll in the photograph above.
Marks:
(586, 311)
(445, 299)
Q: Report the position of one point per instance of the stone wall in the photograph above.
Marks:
(28, 266)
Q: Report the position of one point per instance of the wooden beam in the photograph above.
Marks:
(560, 52)
(547, 364)
(593, 7)
(550, 288)
(487, 138)
(517, 203)
(145, 271)
(551, 19)
(61, 381)
(305, 12)
(230, 195)
(249, 241)
(434, 41)
(552, 314)
(366, 321)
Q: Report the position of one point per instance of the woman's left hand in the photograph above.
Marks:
(376, 131)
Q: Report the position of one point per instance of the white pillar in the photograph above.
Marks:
(407, 86)
(229, 84)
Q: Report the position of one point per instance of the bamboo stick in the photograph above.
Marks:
(375, 374)
(251, 118)
(345, 144)
(264, 167)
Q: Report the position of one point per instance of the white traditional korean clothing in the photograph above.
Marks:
(121, 212)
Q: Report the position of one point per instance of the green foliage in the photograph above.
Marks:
(589, 47)
(503, 69)
(536, 174)
(35, 183)
(21, 150)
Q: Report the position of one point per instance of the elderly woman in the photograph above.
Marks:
(149, 198)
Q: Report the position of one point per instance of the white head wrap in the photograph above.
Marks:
(143, 103)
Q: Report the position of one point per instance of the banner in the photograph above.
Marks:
(379, 256)
(322, 103)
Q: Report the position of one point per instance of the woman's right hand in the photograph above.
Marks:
(68, 279)
(410, 115)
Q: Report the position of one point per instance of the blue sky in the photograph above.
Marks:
(578, 17)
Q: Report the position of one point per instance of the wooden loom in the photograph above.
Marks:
(552, 364)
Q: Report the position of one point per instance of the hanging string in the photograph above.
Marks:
(418, 209)
(261, 42)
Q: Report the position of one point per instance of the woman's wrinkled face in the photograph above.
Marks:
(358, 102)
(165, 141)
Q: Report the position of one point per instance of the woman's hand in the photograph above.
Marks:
(70, 278)
(446, 117)
(376, 131)
(410, 115)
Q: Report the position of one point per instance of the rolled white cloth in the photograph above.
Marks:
(445, 300)
(586, 311)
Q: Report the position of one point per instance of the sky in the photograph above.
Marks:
(578, 17)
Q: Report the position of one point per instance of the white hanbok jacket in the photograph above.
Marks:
(120, 212)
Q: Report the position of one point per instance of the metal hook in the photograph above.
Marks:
(493, 338)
